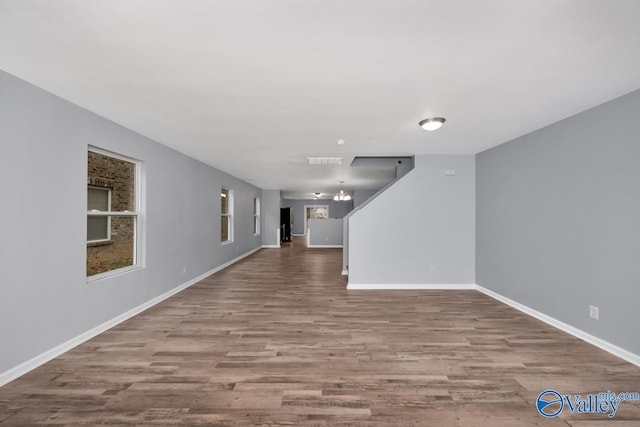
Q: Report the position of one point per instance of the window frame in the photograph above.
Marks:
(108, 239)
(228, 214)
(138, 215)
(256, 216)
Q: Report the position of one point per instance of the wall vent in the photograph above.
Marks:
(324, 161)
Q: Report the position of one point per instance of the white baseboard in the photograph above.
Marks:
(593, 340)
(36, 361)
(324, 246)
(600, 343)
(411, 286)
(17, 371)
(271, 246)
(345, 272)
(298, 235)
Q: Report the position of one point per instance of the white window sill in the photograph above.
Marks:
(94, 243)
(113, 273)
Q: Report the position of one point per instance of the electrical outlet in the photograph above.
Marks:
(594, 312)
(433, 269)
(184, 269)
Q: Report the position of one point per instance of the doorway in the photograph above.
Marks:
(314, 212)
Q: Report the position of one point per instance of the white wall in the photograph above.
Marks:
(423, 220)
(45, 299)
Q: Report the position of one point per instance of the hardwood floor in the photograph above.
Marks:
(277, 340)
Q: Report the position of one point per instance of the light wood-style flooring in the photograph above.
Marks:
(277, 340)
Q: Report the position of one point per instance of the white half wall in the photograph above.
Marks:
(325, 232)
(420, 230)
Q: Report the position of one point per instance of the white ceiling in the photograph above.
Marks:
(253, 87)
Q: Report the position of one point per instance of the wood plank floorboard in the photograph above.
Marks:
(276, 339)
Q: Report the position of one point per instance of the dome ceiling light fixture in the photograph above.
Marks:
(432, 123)
(342, 196)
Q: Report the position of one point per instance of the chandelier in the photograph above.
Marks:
(342, 196)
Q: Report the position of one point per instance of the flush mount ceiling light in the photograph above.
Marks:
(342, 196)
(432, 123)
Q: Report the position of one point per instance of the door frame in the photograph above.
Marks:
(305, 214)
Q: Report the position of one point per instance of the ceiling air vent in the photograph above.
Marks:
(324, 161)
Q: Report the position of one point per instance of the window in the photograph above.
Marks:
(112, 213)
(98, 227)
(226, 215)
(256, 215)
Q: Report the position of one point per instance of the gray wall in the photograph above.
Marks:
(325, 232)
(423, 220)
(558, 220)
(336, 210)
(361, 196)
(45, 299)
(270, 217)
